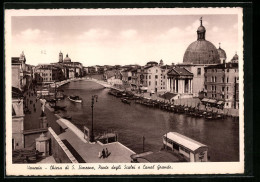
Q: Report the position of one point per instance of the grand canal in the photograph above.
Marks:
(134, 121)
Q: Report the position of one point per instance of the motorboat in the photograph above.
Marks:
(75, 98)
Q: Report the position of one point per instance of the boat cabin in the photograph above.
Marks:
(193, 150)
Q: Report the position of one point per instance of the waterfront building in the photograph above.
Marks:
(221, 84)
(200, 54)
(70, 69)
(91, 70)
(164, 77)
(127, 75)
(17, 119)
(134, 79)
(179, 81)
(47, 73)
(154, 79)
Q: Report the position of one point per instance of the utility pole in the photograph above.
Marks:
(92, 137)
(143, 142)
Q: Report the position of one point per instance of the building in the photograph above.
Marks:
(221, 84)
(154, 79)
(200, 54)
(48, 73)
(21, 72)
(70, 69)
(17, 119)
(179, 81)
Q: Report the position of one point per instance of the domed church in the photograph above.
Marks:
(201, 51)
(200, 54)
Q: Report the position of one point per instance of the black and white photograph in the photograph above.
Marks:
(124, 91)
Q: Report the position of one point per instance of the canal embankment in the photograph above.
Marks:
(184, 102)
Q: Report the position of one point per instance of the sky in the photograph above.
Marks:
(117, 39)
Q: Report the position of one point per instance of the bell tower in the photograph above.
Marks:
(60, 57)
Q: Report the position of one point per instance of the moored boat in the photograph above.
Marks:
(75, 98)
(125, 101)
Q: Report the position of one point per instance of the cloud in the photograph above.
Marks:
(215, 29)
(128, 33)
(94, 34)
(31, 35)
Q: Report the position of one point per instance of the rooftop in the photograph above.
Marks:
(223, 66)
(178, 71)
(184, 141)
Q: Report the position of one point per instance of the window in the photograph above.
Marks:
(205, 94)
(215, 79)
(227, 104)
(156, 76)
(156, 71)
(155, 82)
(227, 89)
(205, 78)
(149, 83)
(149, 76)
(199, 71)
(227, 79)
(227, 96)
(212, 87)
(223, 89)
(205, 70)
(206, 87)
(164, 77)
(223, 79)
(212, 79)
(227, 70)
(222, 96)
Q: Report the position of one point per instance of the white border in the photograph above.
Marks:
(177, 168)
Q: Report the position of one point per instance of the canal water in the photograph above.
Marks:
(134, 121)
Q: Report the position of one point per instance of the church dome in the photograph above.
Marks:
(67, 59)
(201, 29)
(201, 51)
(222, 54)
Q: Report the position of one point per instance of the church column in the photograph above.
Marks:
(191, 86)
(167, 84)
(188, 85)
(183, 86)
(172, 85)
(175, 88)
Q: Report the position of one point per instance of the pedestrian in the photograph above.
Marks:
(99, 155)
(107, 153)
(103, 153)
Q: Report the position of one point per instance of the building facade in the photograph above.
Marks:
(180, 81)
(221, 84)
(17, 119)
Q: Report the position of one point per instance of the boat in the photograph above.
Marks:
(75, 98)
(125, 101)
(68, 117)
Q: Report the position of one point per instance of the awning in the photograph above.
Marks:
(220, 102)
(204, 100)
(212, 101)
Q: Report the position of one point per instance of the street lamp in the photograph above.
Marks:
(92, 137)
